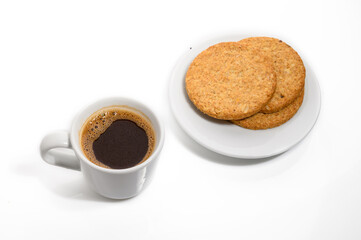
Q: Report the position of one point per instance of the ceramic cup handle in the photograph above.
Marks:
(55, 149)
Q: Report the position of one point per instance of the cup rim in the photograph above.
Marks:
(80, 154)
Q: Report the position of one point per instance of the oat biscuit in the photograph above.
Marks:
(230, 81)
(271, 120)
(289, 69)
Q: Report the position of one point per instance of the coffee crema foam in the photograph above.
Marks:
(101, 120)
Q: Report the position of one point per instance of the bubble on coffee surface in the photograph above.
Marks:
(101, 120)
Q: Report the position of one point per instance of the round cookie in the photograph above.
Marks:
(229, 81)
(289, 69)
(271, 120)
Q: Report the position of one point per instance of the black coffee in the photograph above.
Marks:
(122, 145)
(117, 138)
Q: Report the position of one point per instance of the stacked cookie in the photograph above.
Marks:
(256, 83)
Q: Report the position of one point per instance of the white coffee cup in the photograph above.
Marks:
(63, 149)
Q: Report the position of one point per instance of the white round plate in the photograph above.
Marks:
(228, 139)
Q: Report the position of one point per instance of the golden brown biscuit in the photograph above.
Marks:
(289, 69)
(271, 120)
(229, 81)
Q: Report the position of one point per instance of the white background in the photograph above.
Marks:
(58, 56)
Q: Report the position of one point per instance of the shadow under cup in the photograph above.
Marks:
(118, 183)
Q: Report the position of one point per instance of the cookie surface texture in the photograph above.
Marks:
(229, 81)
(289, 69)
(271, 120)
